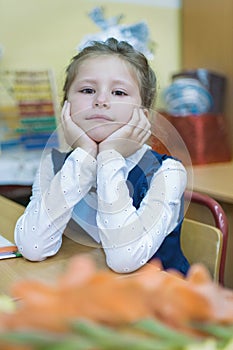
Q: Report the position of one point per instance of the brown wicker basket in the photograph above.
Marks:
(205, 135)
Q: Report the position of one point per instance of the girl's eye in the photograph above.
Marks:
(88, 91)
(119, 93)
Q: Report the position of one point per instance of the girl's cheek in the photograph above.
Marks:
(73, 113)
(75, 116)
(126, 110)
(73, 108)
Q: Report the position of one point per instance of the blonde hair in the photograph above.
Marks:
(135, 59)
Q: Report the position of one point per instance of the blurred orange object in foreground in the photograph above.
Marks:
(84, 292)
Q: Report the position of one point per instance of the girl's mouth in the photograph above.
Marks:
(99, 117)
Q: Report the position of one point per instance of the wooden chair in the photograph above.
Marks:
(203, 242)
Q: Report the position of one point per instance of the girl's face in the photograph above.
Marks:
(103, 96)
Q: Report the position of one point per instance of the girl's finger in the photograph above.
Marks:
(63, 110)
(143, 117)
(66, 112)
(143, 124)
(144, 134)
(135, 117)
(145, 138)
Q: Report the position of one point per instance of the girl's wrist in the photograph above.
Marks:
(91, 151)
(103, 147)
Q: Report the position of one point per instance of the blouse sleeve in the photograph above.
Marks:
(38, 232)
(131, 236)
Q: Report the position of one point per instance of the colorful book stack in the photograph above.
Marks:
(34, 94)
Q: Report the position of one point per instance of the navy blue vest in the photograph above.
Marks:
(138, 182)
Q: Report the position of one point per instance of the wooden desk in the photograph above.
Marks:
(216, 180)
(13, 269)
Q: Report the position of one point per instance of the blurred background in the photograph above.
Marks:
(188, 47)
(40, 34)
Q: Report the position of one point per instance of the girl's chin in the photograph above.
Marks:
(100, 134)
(97, 138)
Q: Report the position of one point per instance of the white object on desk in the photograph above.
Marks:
(7, 249)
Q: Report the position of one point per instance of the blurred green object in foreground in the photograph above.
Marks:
(6, 304)
(148, 334)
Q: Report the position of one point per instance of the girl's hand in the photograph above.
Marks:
(130, 137)
(74, 135)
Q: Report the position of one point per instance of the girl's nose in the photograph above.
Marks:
(101, 102)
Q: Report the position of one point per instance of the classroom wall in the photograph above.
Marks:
(41, 34)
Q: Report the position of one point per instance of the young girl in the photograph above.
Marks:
(112, 184)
